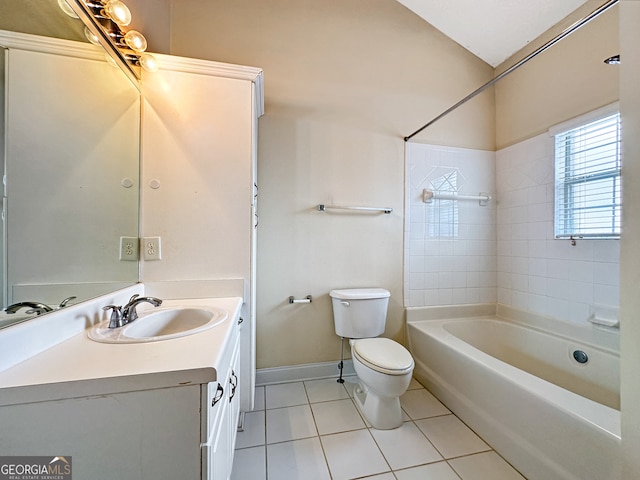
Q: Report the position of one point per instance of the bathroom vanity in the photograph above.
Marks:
(150, 410)
(160, 409)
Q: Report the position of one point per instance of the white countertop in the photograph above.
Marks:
(81, 367)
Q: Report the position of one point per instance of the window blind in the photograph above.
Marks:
(588, 200)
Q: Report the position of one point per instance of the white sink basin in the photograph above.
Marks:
(161, 324)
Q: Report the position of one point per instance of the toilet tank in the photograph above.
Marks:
(359, 312)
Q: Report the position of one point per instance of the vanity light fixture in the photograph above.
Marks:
(118, 12)
(147, 61)
(105, 22)
(135, 41)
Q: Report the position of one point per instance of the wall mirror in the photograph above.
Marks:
(70, 136)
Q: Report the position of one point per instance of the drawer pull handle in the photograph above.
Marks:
(218, 395)
(233, 380)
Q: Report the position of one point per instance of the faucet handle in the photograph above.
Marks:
(116, 316)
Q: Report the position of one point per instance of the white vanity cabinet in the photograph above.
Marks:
(221, 410)
(168, 410)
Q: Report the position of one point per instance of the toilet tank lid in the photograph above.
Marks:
(359, 293)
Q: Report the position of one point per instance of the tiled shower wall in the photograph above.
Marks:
(536, 272)
(459, 252)
(450, 246)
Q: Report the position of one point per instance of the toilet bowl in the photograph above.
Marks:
(384, 367)
(384, 370)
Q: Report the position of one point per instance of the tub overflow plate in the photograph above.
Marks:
(580, 356)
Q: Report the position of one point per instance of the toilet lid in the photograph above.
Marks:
(383, 355)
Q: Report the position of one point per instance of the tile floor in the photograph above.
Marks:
(312, 431)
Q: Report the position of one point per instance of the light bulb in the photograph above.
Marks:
(64, 6)
(148, 62)
(91, 36)
(135, 41)
(118, 12)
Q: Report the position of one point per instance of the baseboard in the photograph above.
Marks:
(298, 373)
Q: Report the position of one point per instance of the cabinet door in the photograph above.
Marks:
(234, 399)
(221, 449)
(215, 452)
(223, 409)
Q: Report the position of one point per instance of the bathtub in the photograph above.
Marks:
(521, 389)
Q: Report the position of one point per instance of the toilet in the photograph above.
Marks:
(384, 367)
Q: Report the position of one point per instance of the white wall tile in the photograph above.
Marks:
(606, 273)
(536, 272)
(448, 260)
(504, 252)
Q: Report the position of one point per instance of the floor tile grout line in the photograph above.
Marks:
(381, 451)
(265, 445)
(315, 424)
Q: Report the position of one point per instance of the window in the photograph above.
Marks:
(443, 221)
(588, 199)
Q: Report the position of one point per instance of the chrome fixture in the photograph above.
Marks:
(64, 302)
(307, 299)
(325, 208)
(106, 22)
(121, 316)
(34, 307)
(129, 313)
(615, 60)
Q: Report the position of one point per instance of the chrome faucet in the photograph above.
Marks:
(35, 307)
(120, 316)
(129, 313)
(64, 302)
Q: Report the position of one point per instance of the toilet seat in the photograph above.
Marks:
(383, 355)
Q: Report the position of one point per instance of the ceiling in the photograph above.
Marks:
(493, 29)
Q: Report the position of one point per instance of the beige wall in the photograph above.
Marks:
(565, 81)
(630, 271)
(343, 86)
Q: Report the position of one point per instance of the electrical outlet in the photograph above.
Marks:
(151, 248)
(129, 249)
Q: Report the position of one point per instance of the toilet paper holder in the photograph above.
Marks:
(307, 299)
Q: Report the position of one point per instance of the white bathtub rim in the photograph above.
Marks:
(439, 312)
(602, 338)
(602, 417)
(605, 338)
